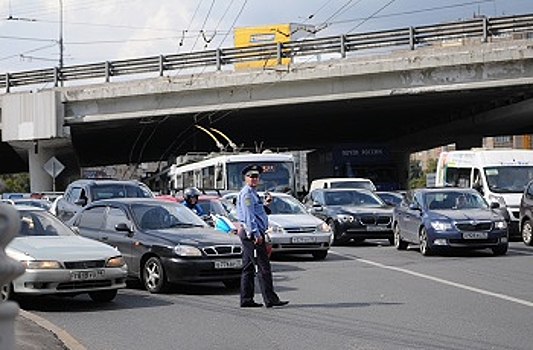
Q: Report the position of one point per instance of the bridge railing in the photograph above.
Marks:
(410, 37)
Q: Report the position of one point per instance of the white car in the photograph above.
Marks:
(293, 230)
(60, 262)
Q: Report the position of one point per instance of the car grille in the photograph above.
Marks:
(368, 220)
(474, 226)
(222, 250)
(85, 264)
(300, 229)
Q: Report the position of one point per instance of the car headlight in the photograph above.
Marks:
(117, 261)
(41, 264)
(323, 227)
(441, 225)
(500, 225)
(187, 250)
(276, 229)
(345, 218)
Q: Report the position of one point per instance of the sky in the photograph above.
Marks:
(104, 30)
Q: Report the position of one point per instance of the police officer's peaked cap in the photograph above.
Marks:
(252, 169)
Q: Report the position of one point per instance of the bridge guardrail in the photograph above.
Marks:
(410, 37)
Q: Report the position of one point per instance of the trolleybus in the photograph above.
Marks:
(222, 172)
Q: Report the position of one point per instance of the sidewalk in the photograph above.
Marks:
(35, 333)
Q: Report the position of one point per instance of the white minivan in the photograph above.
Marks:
(500, 175)
(343, 182)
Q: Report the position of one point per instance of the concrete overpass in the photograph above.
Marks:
(411, 99)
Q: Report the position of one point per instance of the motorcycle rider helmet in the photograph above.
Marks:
(190, 192)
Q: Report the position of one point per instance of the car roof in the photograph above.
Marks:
(445, 189)
(105, 181)
(129, 200)
(343, 190)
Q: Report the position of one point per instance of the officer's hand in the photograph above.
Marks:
(258, 240)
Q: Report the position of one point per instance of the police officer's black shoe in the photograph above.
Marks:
(278, 303)
(251, 304)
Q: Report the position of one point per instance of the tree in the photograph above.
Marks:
(19, 182)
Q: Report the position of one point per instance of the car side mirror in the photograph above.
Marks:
(81, 202)
(414, 206)
(494, 205)
(123, 227)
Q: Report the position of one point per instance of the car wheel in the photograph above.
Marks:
(336, 239)
(527, 231)
(425, 249)
(320, 254)
(103, 296)
(233, 283)
(153, 276)
(500, 250)
(6, 292)
(398, 242)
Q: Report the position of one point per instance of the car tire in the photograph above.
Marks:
(527, 232)
(336, 239)
(153, 276)
(320, 254)
(103, 296)
(232, 283)
(398, 242)
(500, 250)
(424, 246)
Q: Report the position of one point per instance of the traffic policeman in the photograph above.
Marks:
(253, 224)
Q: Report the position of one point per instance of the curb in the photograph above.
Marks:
(69, 342)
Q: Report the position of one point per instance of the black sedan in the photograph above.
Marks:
(444, 218)
(163, 242)
(352, 214)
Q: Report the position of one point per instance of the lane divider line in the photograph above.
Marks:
(443, 281)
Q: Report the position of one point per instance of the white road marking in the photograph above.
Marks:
(440, 280)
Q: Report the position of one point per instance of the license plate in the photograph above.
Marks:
(475, 235)
(228, 264)
(87, 275)
(376, 228)
(303, 239)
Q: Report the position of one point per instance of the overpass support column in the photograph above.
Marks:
(40, 180)
(468, 141)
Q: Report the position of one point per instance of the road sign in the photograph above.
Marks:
(53, 167)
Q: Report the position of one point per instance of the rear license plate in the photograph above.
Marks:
(228, 264)
(376, 228)
(475, 235)
(87, 275)
(303, 239)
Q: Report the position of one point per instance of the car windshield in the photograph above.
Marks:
(42, 223)
(508, 179)
(286, 205)
(41, 203)
(119, 191)
(356, 198)
(165, 215)
(454, 200)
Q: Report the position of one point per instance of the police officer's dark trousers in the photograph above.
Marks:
(264, 273)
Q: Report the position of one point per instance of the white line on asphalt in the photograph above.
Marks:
(440, 280)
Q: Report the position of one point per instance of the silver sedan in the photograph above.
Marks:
(293, 230)
(58, 261)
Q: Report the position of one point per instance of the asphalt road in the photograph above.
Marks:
(367, 296)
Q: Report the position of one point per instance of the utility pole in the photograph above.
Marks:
(61, 38)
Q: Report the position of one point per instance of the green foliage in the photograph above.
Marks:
(15, 182)
(417, 176)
